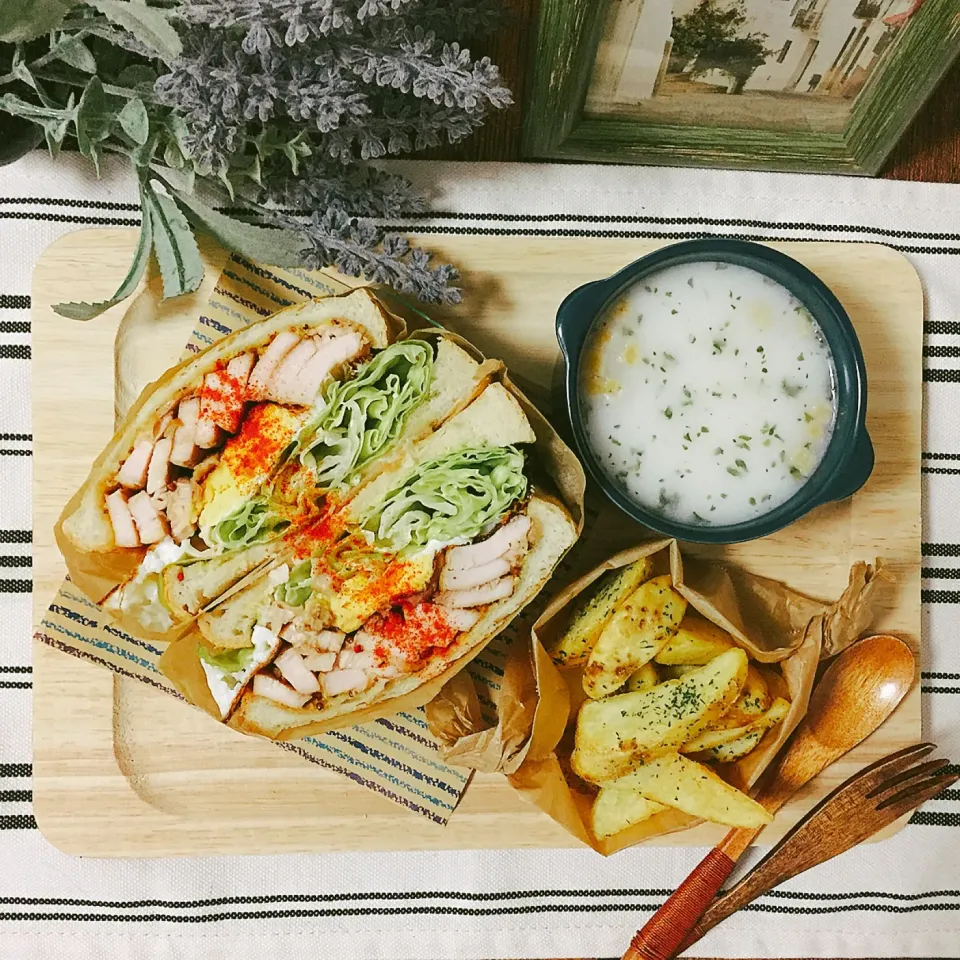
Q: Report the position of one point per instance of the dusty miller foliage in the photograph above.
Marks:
(280, 105)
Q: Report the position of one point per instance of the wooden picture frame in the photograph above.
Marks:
(559, 125)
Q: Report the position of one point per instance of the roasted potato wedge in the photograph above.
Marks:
(697, 640)
(646, 678)
(642, 624)
(753, 702)
(732, 751)
(614, 735)
(689, 786)
(773, 677)
(616, 809)
(677, 671)
(593, 612)
(717, 736)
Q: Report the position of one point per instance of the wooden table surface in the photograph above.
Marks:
(930, 149)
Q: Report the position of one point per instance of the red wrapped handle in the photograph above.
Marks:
(670, 926)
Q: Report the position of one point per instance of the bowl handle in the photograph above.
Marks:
(856, 474)
(576, 313)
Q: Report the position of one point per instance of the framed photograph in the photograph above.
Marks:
(803, 85)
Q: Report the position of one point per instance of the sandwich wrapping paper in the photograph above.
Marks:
(897, 898)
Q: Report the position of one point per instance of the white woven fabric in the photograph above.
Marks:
(894, 899)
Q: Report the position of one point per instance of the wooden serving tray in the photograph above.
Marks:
(121, 769)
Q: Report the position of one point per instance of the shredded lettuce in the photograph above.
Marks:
(455, 496)
(362, 417)
(253, 522)
(297, 589)
(230, 661)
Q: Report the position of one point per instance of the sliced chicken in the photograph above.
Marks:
(161, 428)
(223, 399)
(133, 473)
(464, 579)
(478, 596)
(240, 367)
(329, 641)
(208, 434)
(510, 535)
(326, 641)
(180, 512)
(269, 360)
(150, 523)
(332, 350)
(284, 385)
(273, 689)
(189, 411)
(357, 653)
(124, 530)
(158, 473)
(185, 452)
(462, 619)
(295, 672)
(317, 662)
(343, 681)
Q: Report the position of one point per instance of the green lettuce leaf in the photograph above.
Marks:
(362, 417)
(253, 522)
(296, 591)
(230, 661)
(455, 496)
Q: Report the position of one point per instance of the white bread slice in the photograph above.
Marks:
(452, 384)
(493, 419)
(552, 534)
(84, 525)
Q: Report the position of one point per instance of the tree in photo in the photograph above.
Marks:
(710, 38)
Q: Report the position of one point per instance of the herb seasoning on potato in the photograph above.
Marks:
(667, 695)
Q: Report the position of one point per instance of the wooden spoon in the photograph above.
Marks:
(857, 692)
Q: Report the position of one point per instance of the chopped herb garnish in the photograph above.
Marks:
(733, 471)
(740, 464)
(753, 501)
(800, 357)
(669, 356)
(690, 282)
(759, 349)
(790, 389)
(668, 413)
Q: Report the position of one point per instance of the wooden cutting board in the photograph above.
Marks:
(123, 770)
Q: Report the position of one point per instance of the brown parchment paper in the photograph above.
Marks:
(536, 711)
(555, 472)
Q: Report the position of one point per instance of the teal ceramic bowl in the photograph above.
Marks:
(848, 459)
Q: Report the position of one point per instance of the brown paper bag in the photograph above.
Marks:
(532, 740)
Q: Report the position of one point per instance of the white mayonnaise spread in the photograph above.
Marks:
(707, 393)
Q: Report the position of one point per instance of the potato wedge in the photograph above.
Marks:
(614, 735)
(646, 678)
(679, 782)
(593, 612)
(773, 677)
(732, 751)
(616, 809)
(717, 736)
(642, 624)
(753, 702)
(696, 641)
(676, 671)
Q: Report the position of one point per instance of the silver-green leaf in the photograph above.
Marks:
(282, 248)
(22, 20)
(173, 243)
(87, 311)
(134, 121)
(148, 24)
(94, 118)
(75, 52)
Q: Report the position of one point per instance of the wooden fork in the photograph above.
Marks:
(860, 807)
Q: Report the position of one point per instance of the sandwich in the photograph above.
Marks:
(383, 595)
(233, 447)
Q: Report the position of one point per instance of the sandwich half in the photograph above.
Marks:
(245, 441)
(382, 595)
